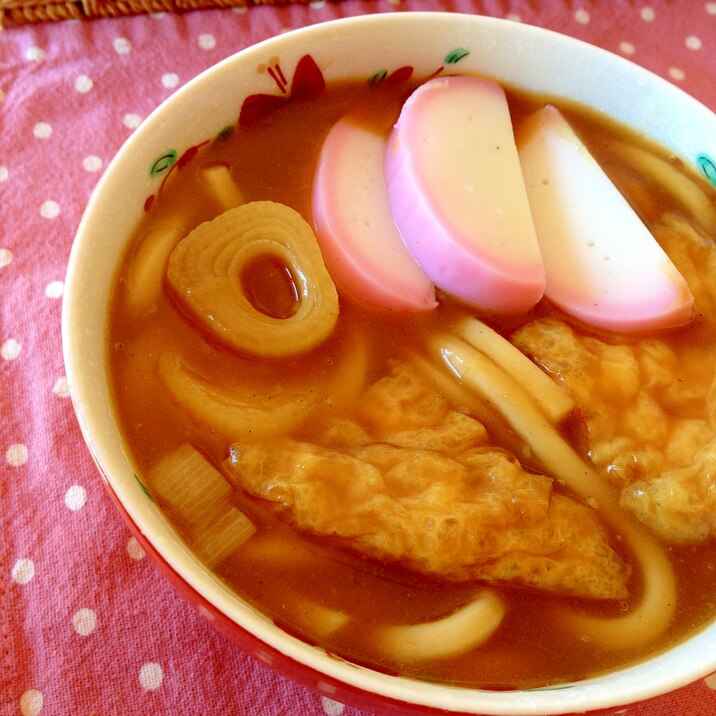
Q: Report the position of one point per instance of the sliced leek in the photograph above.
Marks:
(207, 270)
(221, 186)
(200, 495)
(223, 535)
(285, 551)
(190, 484)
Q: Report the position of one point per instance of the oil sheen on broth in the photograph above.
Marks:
(643, 408)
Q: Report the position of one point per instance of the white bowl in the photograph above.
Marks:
(517, 55)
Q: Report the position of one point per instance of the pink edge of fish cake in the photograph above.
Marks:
(361, 245)
(603, 265)
(458, 197)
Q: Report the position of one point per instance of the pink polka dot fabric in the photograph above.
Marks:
(88, 624)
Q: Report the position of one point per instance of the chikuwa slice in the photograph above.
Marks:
(361, 245)
(603, 265)
(458, 197)
(254, 279)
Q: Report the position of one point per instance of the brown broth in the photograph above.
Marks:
(275, 159)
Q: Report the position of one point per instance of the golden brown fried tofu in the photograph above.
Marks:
(649, 411)
(431, 495)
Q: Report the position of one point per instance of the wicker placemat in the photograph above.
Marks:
(19, 12)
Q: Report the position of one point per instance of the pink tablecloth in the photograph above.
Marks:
(89, 626)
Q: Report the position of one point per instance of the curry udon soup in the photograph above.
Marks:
(461, 495)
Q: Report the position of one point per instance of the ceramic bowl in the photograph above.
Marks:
(372, 47)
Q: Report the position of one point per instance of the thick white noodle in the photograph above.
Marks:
(553, 400)
(348, 378)
(468, 627)
(454, 392)
(652, 615)
(692, 197)
(146, 272)
(145, 278)
(235, 412)
(323, 621)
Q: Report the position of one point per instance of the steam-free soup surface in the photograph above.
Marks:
(643, 410)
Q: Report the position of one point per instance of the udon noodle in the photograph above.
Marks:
(501, 501)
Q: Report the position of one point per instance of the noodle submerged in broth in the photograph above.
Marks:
(488, 500)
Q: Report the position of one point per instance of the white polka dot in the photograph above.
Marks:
(16, 455)
(35, 53)
(158, 15)
(513, 16)
(240, 10)
(582, 17)
(49, 209)
(61, 388)
(122, 45)
(76, 497)
(692, 42)
(710, 680)
(325, 688)
(207, 42)
(626, 48)
(4, 173)
(23, 571)
(92, 163)
(264, 656)
(54, 289)
(331, 707)
(31, 702)
(150, 676)
(134, 549)
(83, 84)
(10, 349)
(170, 79)
(42, 130)
(317, 4)
(5, 257)
(84, 621)
(647, 14)
(676, 74)
(711, 8)
(131, 121)
(205, 613)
